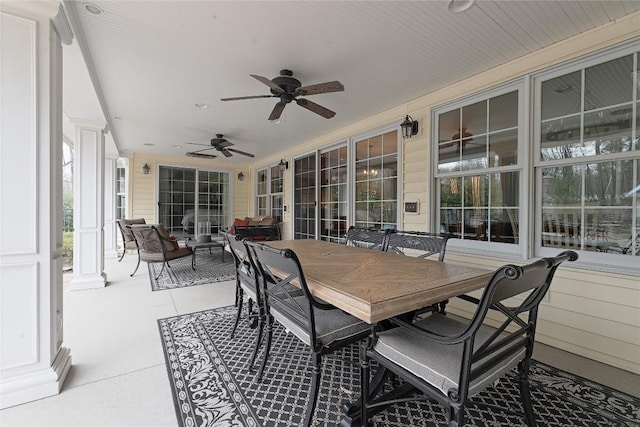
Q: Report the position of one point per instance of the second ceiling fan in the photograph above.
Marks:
(219, 143)
(288, 89)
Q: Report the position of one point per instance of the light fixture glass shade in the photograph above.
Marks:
(146, 169)
(283, 165)
(409, 127)
(240, 176)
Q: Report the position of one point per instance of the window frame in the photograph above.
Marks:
(269, 195)
(603, 261)
(506, 250)
(351, 152)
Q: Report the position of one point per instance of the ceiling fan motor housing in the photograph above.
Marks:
(287, 83)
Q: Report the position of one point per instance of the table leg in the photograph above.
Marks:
(193, 259)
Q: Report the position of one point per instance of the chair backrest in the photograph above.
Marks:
(420, 244)
(367, 238)
(151, 239)
(127, 235)
(278, 268)
(246, 270)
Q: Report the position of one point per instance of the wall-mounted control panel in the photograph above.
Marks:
(411, 207)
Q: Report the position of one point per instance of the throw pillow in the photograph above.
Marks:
(240, 222)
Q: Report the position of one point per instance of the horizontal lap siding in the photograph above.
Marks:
(596, 315)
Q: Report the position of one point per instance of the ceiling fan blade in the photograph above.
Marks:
(318, 109)
(196, 143)
(226, 153)
(241, 152)
(268, 82)
(204, 149)
(200, 155)
(277, 111)
(246, 97)
(327, 87)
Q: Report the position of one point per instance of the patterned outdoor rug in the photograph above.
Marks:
(212, 387)
(209, 269)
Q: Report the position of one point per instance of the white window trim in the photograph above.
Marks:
(589, 260)
(351, 152)
(477, 247)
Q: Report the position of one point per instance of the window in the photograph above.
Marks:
(478, 168)
(588, 159)
(261, 193)
(376, 181)
(269, 197)
(121, 192)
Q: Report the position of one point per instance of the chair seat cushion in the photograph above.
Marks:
(438, 364)
(331, 325)
(178, 253)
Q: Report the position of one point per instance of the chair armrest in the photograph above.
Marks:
(438, 338)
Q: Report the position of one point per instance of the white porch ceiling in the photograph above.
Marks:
(154, 60)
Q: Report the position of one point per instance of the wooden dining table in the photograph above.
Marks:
(373, 285)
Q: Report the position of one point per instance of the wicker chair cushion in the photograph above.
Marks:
(438, 364)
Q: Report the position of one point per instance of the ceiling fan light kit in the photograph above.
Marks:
(288, 89)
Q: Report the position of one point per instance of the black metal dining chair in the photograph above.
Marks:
(319, 325)
(246, 284)
(450, 360)
(417, 243)
(367, 238)
(420, 245)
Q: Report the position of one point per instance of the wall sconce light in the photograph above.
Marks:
(146, 169)
(283, 165)
(240, 176)
(409, 127)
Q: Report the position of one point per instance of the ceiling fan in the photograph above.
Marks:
(218, 143)
(288, 89)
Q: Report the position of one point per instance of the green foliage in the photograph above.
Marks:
(67, 244)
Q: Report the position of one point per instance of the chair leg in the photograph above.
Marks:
(256, 346)
(239, 298)
(525, 393)
(124, 251)
(315, 387)
(364, 381)
(457, 414)
(164, 263)
(267, 346)
(137, 265)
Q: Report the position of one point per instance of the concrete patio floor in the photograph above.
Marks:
(119, 378)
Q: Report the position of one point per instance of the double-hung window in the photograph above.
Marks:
(269, 192)
(478, 169)
(587, 159)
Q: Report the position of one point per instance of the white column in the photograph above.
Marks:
(88, 212)
(110, 227)
(33, 362)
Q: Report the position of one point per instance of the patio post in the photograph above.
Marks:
(33, 361)
(88, 212)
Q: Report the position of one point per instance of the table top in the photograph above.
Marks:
(374, 285)
(213, 243)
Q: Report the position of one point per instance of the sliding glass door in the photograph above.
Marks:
(304, 213)
(178, 198)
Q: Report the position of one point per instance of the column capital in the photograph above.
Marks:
(88, 124)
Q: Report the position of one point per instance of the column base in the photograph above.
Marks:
(36, 384)
(91, 282)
